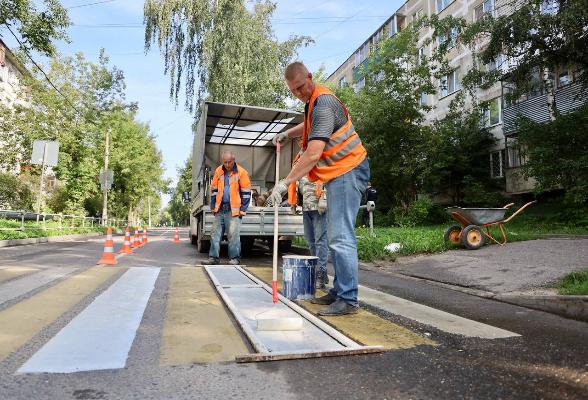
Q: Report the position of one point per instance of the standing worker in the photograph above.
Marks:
(230, 194)
(333, 154)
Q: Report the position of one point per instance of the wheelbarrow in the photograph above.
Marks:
(471, 233)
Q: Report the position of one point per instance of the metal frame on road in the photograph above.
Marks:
(245, 295)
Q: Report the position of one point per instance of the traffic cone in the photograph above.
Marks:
(144, 240)
(137, 241)
(177, 236)
(127, 249)
(108, 255)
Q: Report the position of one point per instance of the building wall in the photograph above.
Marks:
(459, 57)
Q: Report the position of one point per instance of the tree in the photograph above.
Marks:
(35, 29)
(220, 50)
(178, 210)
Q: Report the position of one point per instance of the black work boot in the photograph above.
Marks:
(324, 300)
(339, 308)
(211, 261)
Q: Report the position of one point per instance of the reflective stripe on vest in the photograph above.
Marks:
(343, 152)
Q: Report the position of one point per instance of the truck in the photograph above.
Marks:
(247, 131)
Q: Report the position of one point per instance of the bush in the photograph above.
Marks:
(418, 213)
(14, 193)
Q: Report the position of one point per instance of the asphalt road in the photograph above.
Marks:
(45, 288)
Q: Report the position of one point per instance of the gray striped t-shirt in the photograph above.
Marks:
(327, 117)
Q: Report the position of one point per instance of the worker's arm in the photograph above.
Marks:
(307, 161)
(296, 131)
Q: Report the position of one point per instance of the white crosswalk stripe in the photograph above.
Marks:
(101, 336)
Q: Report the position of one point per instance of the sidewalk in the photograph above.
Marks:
(521, 273)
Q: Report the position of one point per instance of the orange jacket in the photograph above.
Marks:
(239, 186)
(343, 151)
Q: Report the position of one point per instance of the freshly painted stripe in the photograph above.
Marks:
(101, 336)
(430, 316)
(28, 283)
(197, 327)
(7, 273)
(20, 322)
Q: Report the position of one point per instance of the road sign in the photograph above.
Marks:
(48, 149)
(106, 179)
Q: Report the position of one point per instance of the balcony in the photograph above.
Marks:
(567, 99)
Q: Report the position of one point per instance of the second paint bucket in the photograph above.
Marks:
(299, 276)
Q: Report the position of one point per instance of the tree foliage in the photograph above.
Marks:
(91, 101)
(220, 50)
(35, 28)
(177, 209)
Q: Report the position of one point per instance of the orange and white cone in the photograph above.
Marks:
(127, 249)
(177, 236)
(108, 255)
(144, 240)
(136, 241)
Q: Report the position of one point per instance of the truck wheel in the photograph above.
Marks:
(284, 246)
(472, 237)
(452, 234)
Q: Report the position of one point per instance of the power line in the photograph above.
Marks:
(41, 69)
(90, 4)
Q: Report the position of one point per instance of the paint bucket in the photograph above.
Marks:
(298, 276)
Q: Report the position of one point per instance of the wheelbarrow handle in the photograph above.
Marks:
(508, 205)
(520, 210)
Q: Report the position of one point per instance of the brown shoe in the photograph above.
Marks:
(324, 300)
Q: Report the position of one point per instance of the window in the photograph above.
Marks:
(442, 4)
(495, 64)
(450, 37)
(392, 29)
(360, 84)
(514, 158)
(421, 55)
(493, 112)
(496, 164)
(449, 83)
(357, 60)
(564, 76)
(485, 8)
(549, 7)
(343, 82)
(423, 99)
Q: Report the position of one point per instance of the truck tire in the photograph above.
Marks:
(202, 245)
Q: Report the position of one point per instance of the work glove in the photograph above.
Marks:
(280, 137)
(277, 193)
(322, 203)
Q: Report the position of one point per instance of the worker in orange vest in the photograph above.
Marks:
(229, 198)
(332, 153)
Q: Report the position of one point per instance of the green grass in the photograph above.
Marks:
(574, 283)
(32, 229)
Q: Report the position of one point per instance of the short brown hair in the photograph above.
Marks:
(294, 69)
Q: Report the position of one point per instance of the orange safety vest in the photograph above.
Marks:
(343, 151)
(239, 188)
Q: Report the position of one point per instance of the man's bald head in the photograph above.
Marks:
(294, 69)
(299, 81)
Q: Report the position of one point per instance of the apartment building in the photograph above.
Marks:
(11, 74)
(504, 161)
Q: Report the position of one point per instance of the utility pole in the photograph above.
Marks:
(105, 188)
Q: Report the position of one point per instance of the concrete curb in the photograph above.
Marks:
(47, 239)
(574, 307)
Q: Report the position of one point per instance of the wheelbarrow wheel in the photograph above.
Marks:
(472, 237)
(452, 234)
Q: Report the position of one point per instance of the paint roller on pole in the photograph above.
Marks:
(275, 252)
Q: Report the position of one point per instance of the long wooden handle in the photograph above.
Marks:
(275, 252)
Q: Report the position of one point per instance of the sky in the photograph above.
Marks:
(338, 28)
